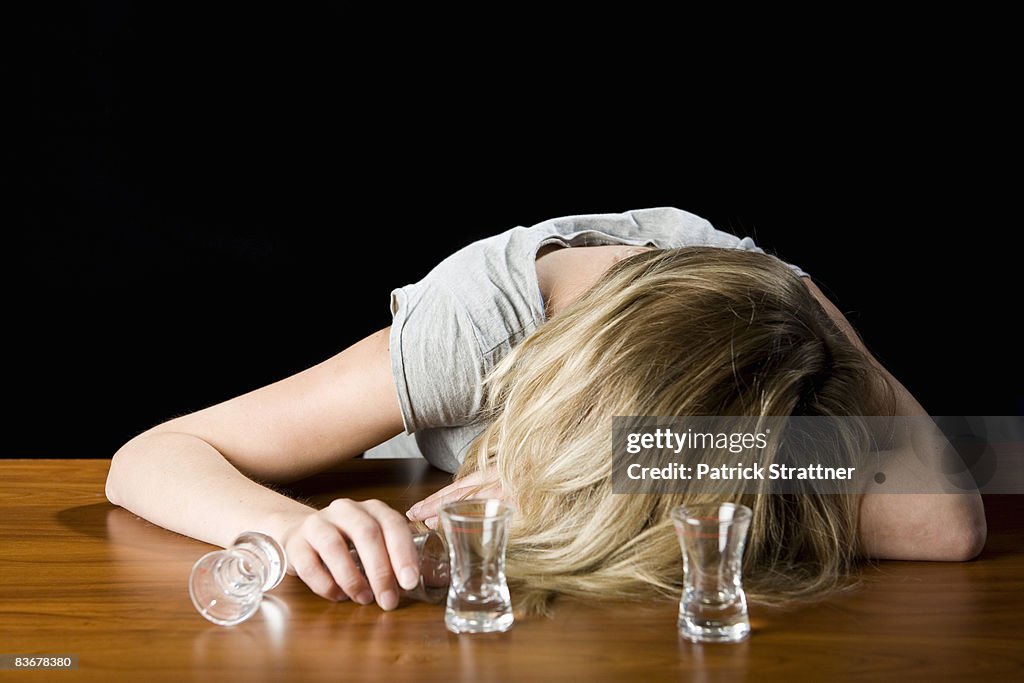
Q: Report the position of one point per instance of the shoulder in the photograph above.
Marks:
(564, 275)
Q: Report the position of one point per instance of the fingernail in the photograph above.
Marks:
(431, 523)
(365, 598)
(412, 512)
(408, 578)
(389, 600)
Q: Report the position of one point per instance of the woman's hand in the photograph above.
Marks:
(475, 485)
(318, 552)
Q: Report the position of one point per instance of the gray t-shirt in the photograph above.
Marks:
(450, 328)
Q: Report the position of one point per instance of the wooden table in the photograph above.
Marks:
(80, 576)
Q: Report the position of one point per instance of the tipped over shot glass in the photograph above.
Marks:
(713, 607)
(432, 553)
(227, 586)
(478, 597)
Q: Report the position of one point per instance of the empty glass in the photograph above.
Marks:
(478, 598)
(713, 607)
(227, 585)
(434, 574)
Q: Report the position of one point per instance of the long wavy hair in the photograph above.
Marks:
(689, 331)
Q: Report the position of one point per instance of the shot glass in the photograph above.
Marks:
(478, 597)
(433, 564)
(713, 607)
(227, 586)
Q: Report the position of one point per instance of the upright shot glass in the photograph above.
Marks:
(713, 607)
(478, 597)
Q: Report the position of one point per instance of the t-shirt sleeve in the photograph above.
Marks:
(436, 359)
(449, 329)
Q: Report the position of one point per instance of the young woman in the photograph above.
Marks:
(506, 363)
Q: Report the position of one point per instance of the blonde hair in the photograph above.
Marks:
(690, 331)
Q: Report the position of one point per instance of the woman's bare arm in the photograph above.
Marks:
(913, 526)
(195, 474)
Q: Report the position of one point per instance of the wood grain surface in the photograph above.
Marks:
(80, 576)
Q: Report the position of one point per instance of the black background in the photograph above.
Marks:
(207, 201)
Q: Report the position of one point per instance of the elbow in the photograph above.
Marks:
(966, 538)
(960, 533)
(113, 485)
(119, 463)
(936, 528)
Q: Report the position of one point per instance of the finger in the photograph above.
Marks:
(366, 535)
(398, 540)
(429, 506)
(467, 481)
(432, 522)
(430, 509)
(458, 490)
(326, 538)
(312, 571)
